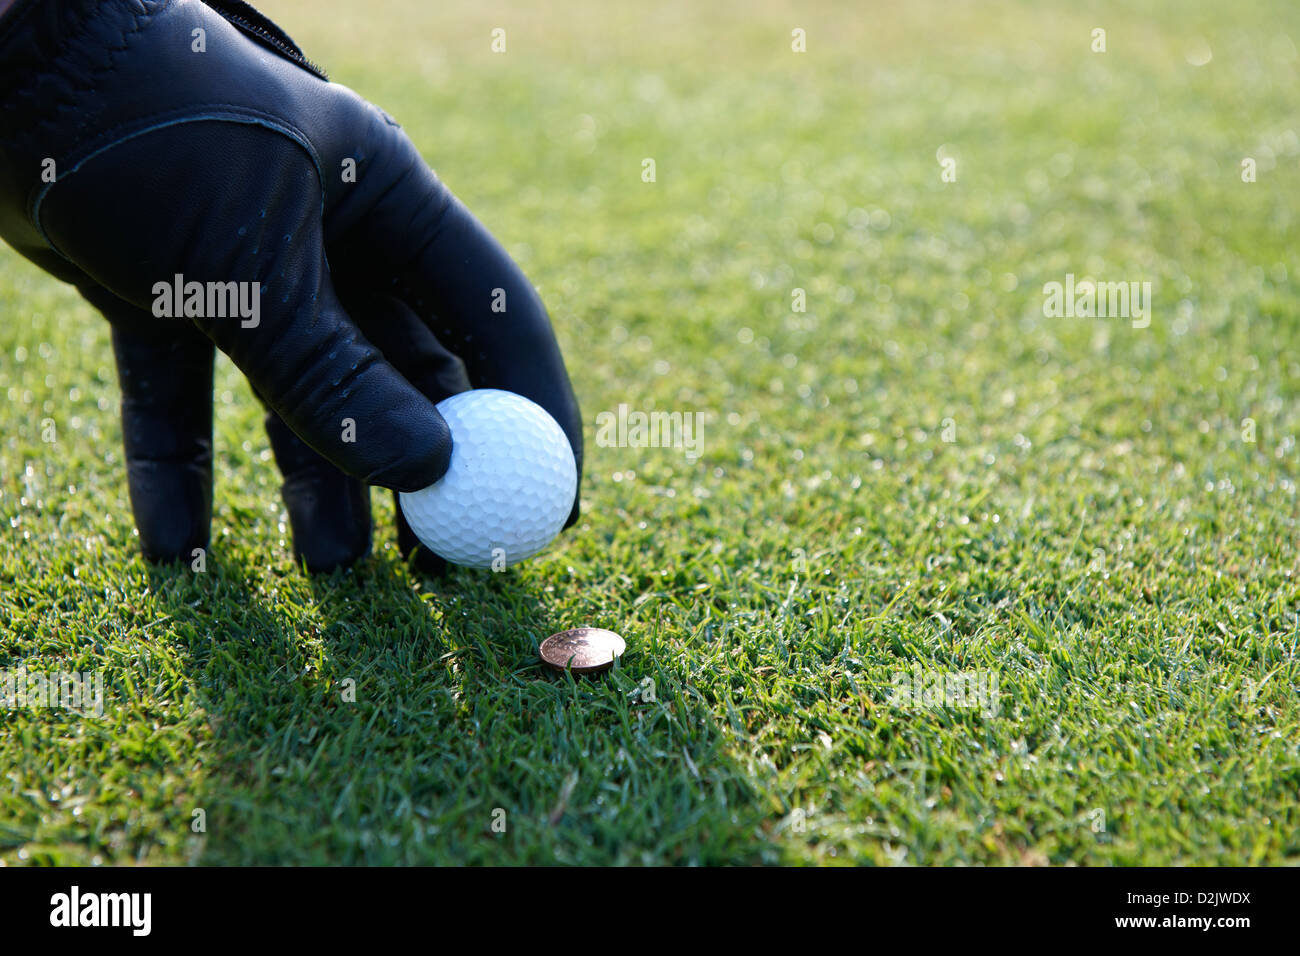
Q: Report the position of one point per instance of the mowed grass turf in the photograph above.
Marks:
(919, 476)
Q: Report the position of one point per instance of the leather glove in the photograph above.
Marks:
(139, 156)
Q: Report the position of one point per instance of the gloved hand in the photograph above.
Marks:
(149, 144)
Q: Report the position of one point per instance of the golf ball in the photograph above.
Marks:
(509, 488)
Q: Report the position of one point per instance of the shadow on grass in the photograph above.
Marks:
(370, 717)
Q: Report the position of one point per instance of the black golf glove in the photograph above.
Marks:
(165, 156)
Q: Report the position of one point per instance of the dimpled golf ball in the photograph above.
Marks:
(510, 486)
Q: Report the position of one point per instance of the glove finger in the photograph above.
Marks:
(329, 511)
(165, 375)
(392, 326)
(513, 349)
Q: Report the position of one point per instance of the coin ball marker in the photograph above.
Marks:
(583, 650)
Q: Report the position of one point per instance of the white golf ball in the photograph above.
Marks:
(510, 486)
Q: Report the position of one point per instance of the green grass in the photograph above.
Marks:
(1098, 537)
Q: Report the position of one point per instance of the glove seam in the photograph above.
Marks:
(15, 16)
(218, 113)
